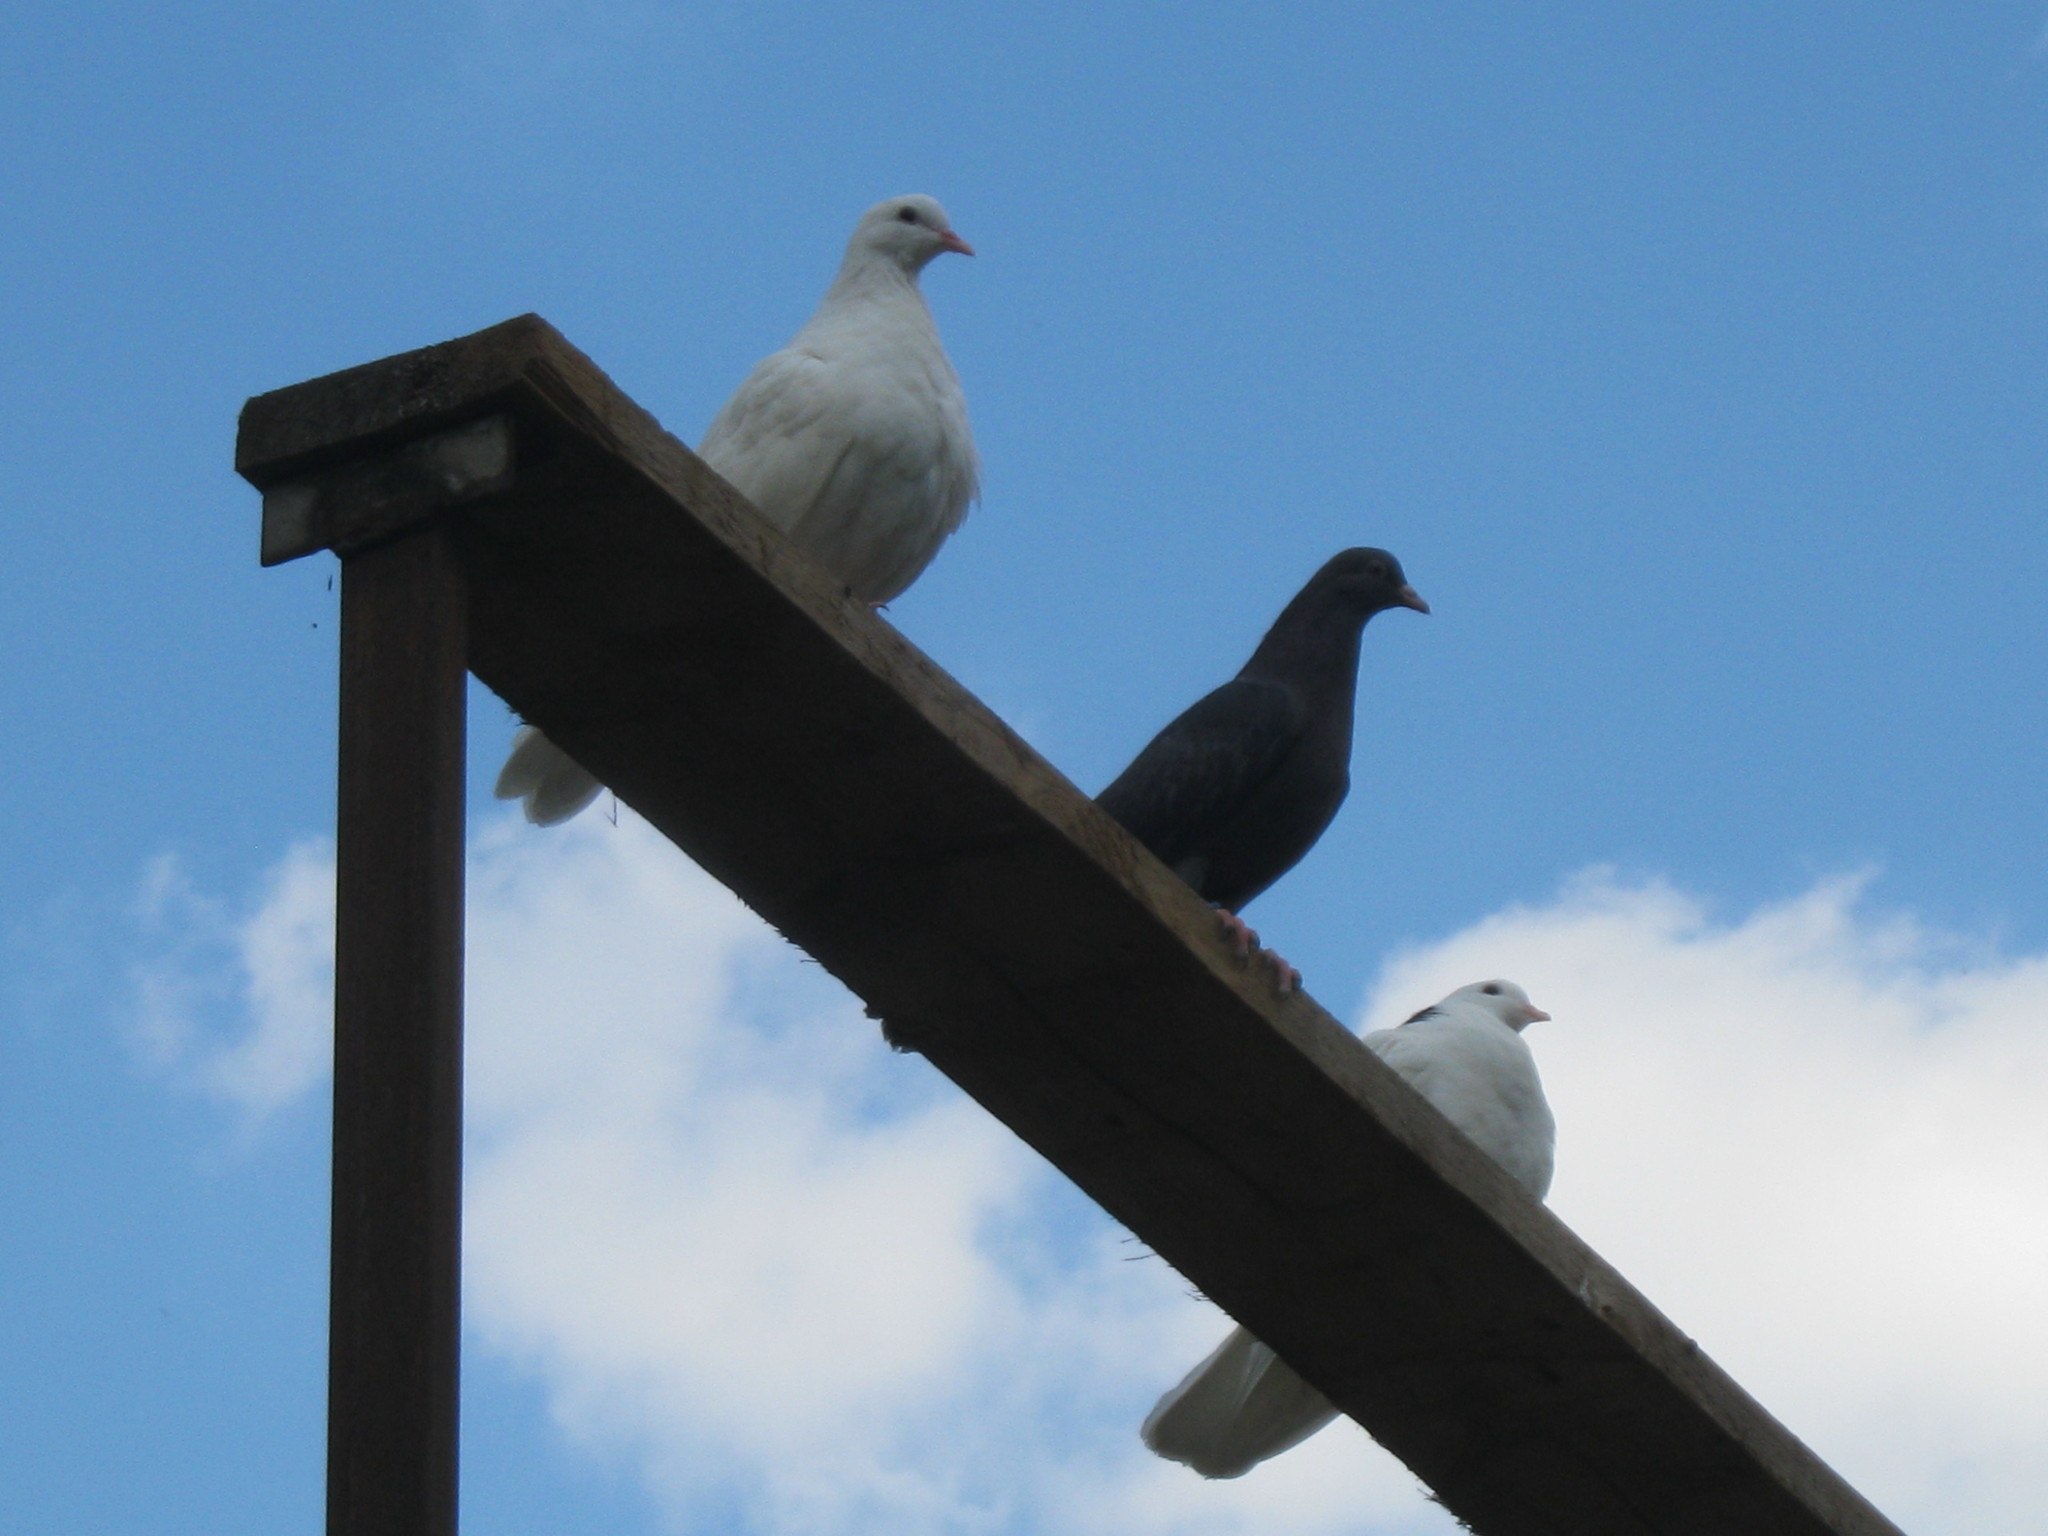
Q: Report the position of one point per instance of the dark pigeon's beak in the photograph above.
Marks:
(948, 241)
(1408, 597)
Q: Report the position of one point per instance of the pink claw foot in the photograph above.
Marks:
(1238, 933)
(1245, 943)
(1286, 978)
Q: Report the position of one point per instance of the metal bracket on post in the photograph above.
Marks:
(350, 506)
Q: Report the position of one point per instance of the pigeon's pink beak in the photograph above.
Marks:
(1534, 1015)
(1408, 597)
(948, 241)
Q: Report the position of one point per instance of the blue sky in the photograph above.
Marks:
(1689, 358)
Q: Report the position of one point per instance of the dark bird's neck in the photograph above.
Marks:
(1313, 645)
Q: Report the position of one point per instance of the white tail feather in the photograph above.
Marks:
(552, 783)
(1234, 1410)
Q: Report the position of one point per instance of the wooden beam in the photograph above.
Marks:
(393, 1336)
(627, 600)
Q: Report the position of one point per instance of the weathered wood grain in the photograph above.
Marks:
(627, 600)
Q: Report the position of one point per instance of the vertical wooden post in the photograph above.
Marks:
(394, 1302)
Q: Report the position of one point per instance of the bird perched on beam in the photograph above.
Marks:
(1233, 792)
(1466, 1055)
(853, 440)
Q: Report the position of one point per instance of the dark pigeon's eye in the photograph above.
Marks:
(1490, 990)
(907, 215)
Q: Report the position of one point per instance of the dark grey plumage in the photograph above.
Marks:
(1240, 786)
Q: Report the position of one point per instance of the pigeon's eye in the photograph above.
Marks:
(1491, 990)
(907, 215)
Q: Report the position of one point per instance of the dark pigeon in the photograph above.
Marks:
(1235, 791)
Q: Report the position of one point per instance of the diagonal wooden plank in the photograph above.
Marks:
(626, 599)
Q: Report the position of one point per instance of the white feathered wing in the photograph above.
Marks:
(1243, 1405)
(853, 440)
(551, 782)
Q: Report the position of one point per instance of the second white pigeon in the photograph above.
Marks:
(853, 440)
(1466, 1055)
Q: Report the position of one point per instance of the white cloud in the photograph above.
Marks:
(1814, 1138)
(793, 1275)
(269, 973)
(787, 1268)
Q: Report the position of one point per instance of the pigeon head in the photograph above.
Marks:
(905, 232)
(1317, 632)
(1504, 1000)
(1365, 581)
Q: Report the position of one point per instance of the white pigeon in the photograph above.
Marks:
(853, 440)
(1467, 1056)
